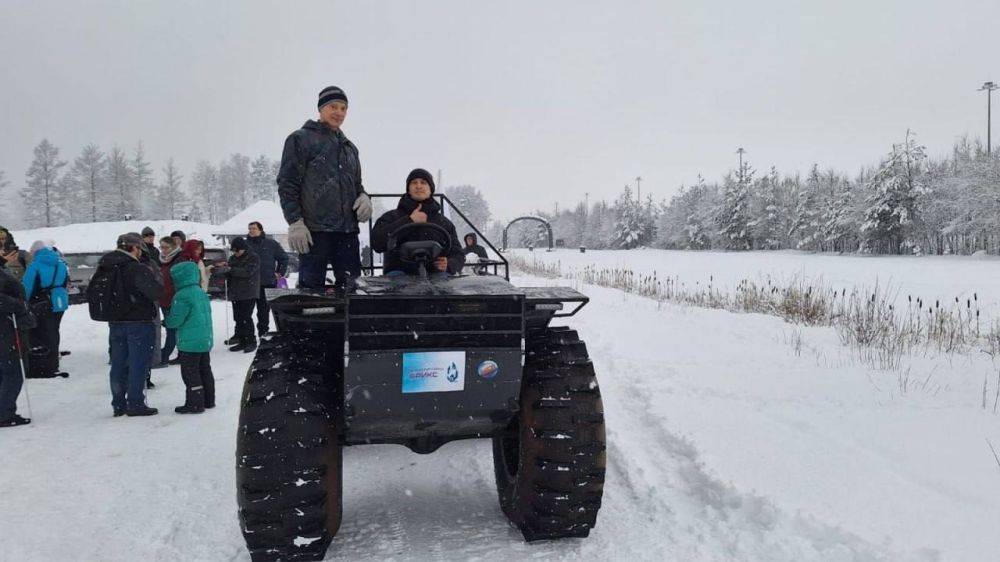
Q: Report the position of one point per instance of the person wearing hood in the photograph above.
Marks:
(131, 330)
(472, 246)
(273, 264)
(193, 251)
(191, 316)
(417, 206)
(170, 254)
(13, 311)
(45, 283)
(14, 259)
(321, 194)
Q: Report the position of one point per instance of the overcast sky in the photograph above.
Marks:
(530, 101)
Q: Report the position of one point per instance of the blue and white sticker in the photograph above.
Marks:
(488, 369)
(433, 371)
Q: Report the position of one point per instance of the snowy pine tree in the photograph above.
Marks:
(262, 181)
(734, 215)
(205, 194)
(892, 202)
(172, 201)
(87, 181)
(144, 194)
(234, 185)
(42, 195)
(471, 202)
(120, 185)
(628, 229)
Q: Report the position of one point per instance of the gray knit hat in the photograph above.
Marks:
(129, 239)
(331, 94)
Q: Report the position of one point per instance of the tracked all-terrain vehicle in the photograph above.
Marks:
(418, 361)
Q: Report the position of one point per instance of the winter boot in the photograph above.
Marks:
(14, 421)
(232, 341)
(141, 411)
(240, 344)
(250, 346)
(185, 409)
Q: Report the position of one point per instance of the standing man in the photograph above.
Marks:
(149, 240)
(12, 307)
(273, 264)
(243, 276)
(128, 292)
(319, 184)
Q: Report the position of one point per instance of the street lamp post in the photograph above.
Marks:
(989, 87)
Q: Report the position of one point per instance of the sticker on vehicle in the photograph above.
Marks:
(433, 371)
(488, 369)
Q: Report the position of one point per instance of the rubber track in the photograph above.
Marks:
(559, 484)
(288, 463)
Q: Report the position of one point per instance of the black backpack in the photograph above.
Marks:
(107, 296)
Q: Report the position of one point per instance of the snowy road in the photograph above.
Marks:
(724, 444)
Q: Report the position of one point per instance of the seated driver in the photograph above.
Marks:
(417, 206)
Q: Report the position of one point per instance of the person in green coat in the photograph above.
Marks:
(191, 315)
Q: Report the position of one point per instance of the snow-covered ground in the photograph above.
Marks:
(731, 437)
(929, 277)
(96, 237)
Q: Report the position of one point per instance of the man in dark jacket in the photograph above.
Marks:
(170, 255)
(319, 184)
(12, 307)
(273, 264)
(149, 242)
(13, 258)
(132, 332)
(472, 246)
(417, 206)
(243, 277)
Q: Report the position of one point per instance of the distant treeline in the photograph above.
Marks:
(907, 204)
(114, 185)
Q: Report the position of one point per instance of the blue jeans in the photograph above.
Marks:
(131, 352)
(170, 342)
(337, 249)
(10, 386)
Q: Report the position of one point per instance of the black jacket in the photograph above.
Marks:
(143, 287)
(243, 276)
(273, 258)
(392, 220)
(475, 248)
(12, 303)
(319, 179)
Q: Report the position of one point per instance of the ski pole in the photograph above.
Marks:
(226, 305)
(20, 364)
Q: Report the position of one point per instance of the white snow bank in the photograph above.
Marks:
(101, 236)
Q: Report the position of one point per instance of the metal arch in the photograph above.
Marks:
(548, 228)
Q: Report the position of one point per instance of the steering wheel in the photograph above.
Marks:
(419, 241)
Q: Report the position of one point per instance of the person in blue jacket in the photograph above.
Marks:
(45, 282)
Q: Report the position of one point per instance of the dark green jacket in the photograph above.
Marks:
(190, 311)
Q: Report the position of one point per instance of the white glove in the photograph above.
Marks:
(363, 207)
(299, 238)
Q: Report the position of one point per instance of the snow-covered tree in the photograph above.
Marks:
(471, 202)
(173, 201)
(41, 197)
(205, 195)
(234, 185)
(87, 180)
(892, 202)
(734, 216)
(262, 183)
(629, 223)
(144, 191)
(120, 185)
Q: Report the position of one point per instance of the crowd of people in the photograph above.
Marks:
(145, 285)
(154, 296)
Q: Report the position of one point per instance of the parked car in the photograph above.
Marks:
(81, 267)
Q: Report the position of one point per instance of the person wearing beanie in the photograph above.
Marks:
(149, 239)
(417, 206)
(321, 194)
(242, 288)
(179, 238)
(170, 255)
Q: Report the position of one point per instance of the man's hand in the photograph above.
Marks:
(417, 215)
(10, 256)
(299, 238)
(441, 263)
(363, 207)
